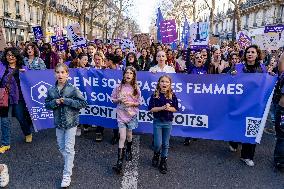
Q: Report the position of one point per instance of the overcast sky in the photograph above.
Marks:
(143, 11)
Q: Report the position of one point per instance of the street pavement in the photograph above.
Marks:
(204, 164)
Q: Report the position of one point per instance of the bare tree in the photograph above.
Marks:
(237, 13)
(178, 9)
(194, 10)
(212, 9)
(96, 10)
(122, 7)
(46, 8)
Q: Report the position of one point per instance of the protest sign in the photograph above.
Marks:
(128, 43)
(199, 34)
(243, 39)
(275, 28)
(168, 31)
(37, 33)
(141, 40)
(75, 35)
(271, 41)
(240, 116)
(116, 42)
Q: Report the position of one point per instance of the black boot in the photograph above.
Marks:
(187, 140)
(163, 165)
(155, 160)
(128, 151)
(115, 137)
(118, 167)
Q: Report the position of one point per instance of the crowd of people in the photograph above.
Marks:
(65, 100)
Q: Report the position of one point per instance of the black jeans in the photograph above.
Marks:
(21, 113)
(247, 149)
(100, 129)
(279, 127)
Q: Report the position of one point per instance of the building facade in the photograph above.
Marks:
(255, 15)
(17, 17)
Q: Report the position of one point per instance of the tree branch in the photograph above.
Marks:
(207, 4)
(234, 2)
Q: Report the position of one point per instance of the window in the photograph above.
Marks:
(247, 20)
(264, 16)
(17, 7)
(38, 15)
(6, 5)
(281, 12)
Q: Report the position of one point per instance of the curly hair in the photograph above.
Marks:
(16, 52)
(258, 51)
(135, 63)
(36, 51)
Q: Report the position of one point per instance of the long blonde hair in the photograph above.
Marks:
(169, 93)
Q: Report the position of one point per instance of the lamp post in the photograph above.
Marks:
(84, 25)
(234, 26)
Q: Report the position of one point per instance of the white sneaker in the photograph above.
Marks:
(4, 176)
(65, 181)
(78, 131)
(232, 149)
(249, 162)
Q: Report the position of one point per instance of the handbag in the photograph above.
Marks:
(4, 97)
(4, 91)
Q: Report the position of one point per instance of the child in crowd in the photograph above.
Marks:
(4, 175)
(65, 100)
(162, 103)
(127, 96)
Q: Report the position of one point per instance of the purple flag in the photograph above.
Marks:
(168, 31)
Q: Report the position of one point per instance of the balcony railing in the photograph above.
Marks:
(7, 14)
(251, 3)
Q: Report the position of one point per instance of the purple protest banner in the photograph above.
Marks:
(168, 31)
(244, 40)
(275, 28)
(37, 32)
(199, 47)
(241, 118)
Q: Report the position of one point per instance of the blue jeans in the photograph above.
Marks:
(20, 112)
(162, 133)
(66, 143)
(5, 130)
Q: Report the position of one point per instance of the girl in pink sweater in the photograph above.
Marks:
(127, 96)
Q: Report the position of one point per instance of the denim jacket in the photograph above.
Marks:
(37, 64)
(66, 115)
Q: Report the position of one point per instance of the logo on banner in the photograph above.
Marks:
(39, 92)
(252, 126)
(38, 95)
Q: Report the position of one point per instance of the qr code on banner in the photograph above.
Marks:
(252, 126)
